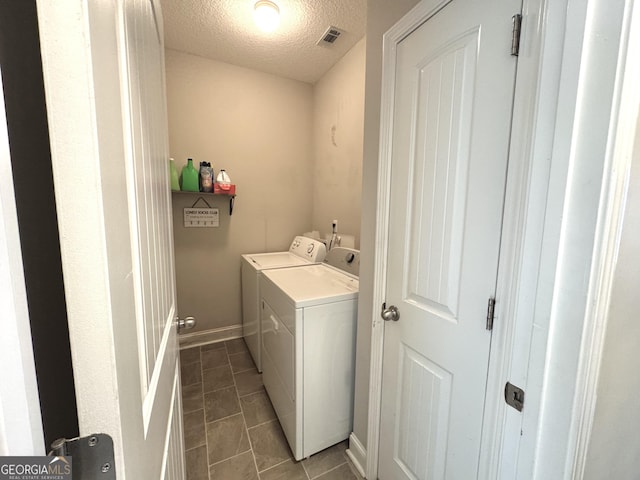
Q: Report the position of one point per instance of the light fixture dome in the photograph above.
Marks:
(266, 15)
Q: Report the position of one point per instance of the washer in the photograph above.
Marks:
(308, 358)
(303, 251)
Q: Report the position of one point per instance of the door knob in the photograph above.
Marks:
(185, 324)
(390, 313)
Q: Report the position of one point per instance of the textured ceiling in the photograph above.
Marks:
(224, 30)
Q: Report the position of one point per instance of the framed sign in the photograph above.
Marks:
(201, 217)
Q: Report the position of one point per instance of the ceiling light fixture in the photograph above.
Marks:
(266, 15)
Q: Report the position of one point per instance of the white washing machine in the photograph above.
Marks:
(303, 251)
(308, 358)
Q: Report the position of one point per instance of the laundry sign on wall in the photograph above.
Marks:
(200, 217)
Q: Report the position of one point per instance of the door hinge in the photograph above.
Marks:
(491, 306)
(514, 396)
(92, 456)
(516, 21)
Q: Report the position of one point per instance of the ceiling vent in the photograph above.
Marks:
(330, 36)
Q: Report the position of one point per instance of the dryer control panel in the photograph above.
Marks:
(312, 250)
(345, 259)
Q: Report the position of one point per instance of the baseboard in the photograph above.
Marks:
(214, 335)
(357, 454)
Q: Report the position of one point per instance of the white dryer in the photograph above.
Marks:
(308, 358)
(303, 251)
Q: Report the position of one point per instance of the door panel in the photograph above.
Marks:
(422, 412)
(174, 462)
(439, 177)
(148, 196)
(149, 200)
(453, 93)
(151, 226)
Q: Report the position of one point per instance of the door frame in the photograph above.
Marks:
(84, 57)
(625, 120)
(531, 237)
(76, 155)
(596, 129)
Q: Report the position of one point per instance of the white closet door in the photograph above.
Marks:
(454, 81)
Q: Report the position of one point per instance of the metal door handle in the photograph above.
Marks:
(185, 324)
(390, 313)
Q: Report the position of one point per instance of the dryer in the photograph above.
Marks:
(308, 332)
(303, 251)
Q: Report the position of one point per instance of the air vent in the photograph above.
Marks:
(330, 36)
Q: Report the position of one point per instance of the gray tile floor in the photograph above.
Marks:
(231, 430)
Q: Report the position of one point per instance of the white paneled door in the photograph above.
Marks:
(103, 64)
(454, 82)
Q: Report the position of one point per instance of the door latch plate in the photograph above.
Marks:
(514, 396)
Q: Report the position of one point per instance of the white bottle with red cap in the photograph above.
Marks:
(223, 180)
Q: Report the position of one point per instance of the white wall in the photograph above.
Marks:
(615, 442)
(274, 137)
(338, 123)
(258, 127)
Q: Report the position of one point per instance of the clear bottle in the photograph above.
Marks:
(190, 177)
(173, 173)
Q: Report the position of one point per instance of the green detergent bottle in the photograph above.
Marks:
(190, 177)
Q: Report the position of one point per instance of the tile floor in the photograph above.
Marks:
(231, 431)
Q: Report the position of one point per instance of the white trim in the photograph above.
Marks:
(535, 101)
(169, 427)
(581, 143)
(132, 197)
(624, 121)
(412, 20)
(188, 340)
(72, 119)
(357, 454)
(152, 389)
